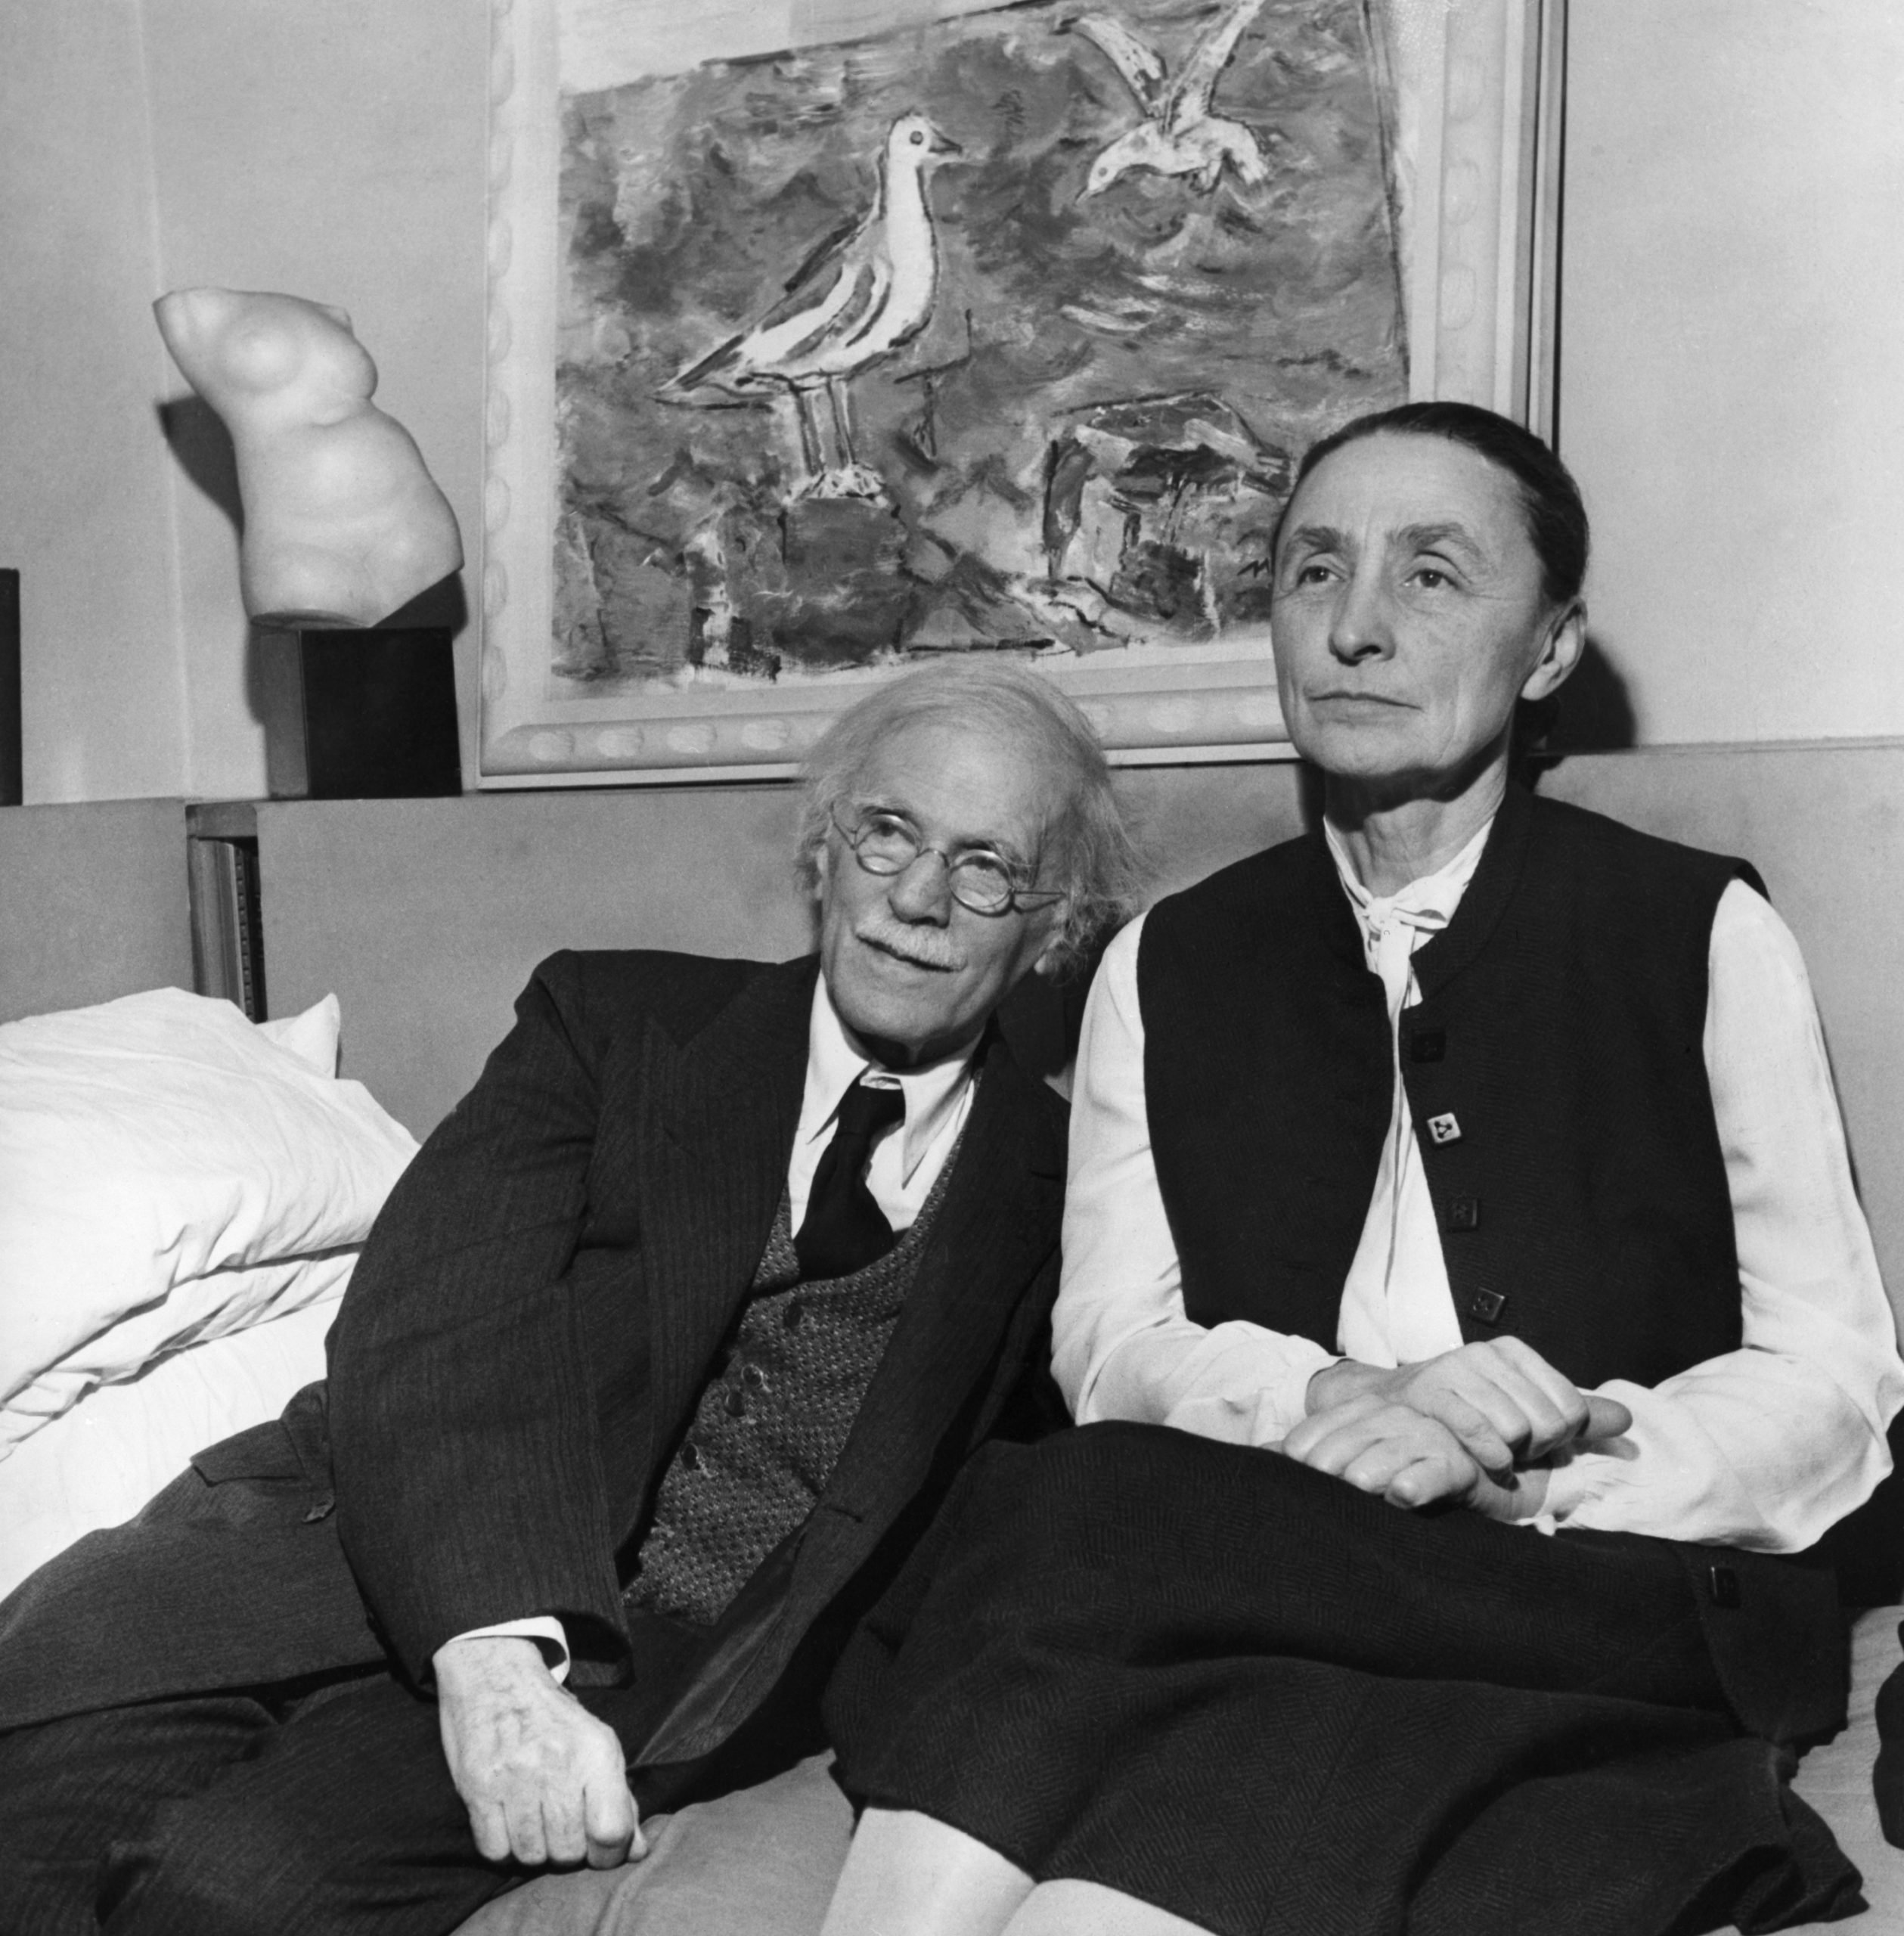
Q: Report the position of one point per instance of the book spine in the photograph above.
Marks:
(248, 927)
(228, 925)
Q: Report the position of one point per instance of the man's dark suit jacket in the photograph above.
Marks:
(520, 1351)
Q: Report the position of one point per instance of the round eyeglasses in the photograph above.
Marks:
(887, 843)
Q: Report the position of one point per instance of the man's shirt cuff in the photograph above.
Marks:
(542, 1628)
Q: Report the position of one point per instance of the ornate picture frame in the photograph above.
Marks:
(702, 538)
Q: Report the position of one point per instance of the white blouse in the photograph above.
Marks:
(1765, 1447)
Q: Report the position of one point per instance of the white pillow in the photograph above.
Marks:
(156, 1154)
(311, 1037)
(198, 1310)
(101, 1462)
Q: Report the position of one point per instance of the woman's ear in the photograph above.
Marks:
(1566, 639)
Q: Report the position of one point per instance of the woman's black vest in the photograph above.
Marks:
(1555, 1070)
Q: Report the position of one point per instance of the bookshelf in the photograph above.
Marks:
(227, 920)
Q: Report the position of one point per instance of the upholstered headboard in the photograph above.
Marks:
(92, 904)
(425, 917)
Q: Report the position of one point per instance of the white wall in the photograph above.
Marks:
(85, 502)
(1732, 375)
(332, 148)
(1732, 358)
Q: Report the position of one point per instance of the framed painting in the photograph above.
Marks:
(826, 336)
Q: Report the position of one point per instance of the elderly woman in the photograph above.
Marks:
(1466, 1307)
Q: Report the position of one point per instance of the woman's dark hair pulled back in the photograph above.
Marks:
(1549, 498)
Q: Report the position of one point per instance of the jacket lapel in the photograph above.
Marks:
(721, 1111)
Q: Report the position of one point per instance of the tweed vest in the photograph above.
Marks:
(1554, 1067)
(773, 1420)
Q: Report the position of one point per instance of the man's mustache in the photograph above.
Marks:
(926, 946)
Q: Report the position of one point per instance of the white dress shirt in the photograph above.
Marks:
(1765, 1447)
(907, 1158)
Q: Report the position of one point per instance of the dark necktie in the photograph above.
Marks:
(843, 1229)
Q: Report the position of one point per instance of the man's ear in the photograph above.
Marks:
(1049, 961)
(1566, 639)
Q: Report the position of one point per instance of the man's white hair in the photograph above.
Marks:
(1087, 853)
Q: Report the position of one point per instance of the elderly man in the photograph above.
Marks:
(655, 1364)
(1466, 1307)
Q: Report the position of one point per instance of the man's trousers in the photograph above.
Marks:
(309, 1810)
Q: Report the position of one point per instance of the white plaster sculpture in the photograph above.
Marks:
(343, 522)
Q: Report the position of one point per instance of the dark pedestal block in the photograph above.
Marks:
(380, 713)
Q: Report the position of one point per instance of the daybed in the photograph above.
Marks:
(201, 1244)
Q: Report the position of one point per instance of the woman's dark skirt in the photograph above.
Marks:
(1251, 1695)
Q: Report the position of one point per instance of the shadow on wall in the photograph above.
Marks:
(201, 445)
(1593, 712)
(197, 436)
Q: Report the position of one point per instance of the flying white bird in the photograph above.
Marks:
(1179, 134)
(865, 291)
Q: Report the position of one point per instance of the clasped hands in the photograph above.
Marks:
(1477, 1427)
(543, 1780)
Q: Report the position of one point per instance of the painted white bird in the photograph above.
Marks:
(1179, 134)
(865, 291)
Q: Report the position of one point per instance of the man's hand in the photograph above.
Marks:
(543, 1781)
(1506, 1405)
